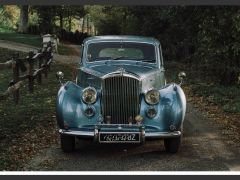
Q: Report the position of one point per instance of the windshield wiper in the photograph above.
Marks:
(120, 57)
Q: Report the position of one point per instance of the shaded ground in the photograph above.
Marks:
(203, 148)
(29, 126)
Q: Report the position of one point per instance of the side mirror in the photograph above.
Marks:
(60, 76)
(181, 76)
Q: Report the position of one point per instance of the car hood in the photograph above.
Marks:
(150, 76)
(137, 70)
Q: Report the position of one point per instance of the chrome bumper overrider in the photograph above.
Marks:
(144, 135)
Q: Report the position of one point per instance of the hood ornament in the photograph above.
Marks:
(121, 70)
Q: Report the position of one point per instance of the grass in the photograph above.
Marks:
(26, 127)
(65, 50)
(32, 40)
(28, 39)
(6, 30)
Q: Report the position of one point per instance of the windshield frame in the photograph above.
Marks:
(121, 41)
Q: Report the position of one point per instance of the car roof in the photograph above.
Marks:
(122, 38)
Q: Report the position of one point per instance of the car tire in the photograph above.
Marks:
(172, 144)
(67, 143)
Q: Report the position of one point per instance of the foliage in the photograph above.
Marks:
(205, 36)
(76, 37)
(8, 17)
(52, 19)
(111, 19)
(60, 20)
(227, 98)
(46, 16)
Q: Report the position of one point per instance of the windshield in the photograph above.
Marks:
(121, 51)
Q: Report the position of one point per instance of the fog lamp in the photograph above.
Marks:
(89, 112)
(151, 112)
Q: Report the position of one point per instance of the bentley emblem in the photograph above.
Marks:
(121, 70)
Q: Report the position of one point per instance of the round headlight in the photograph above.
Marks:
(152, 97)
(89, 95)
(151, 112)
(89, 112)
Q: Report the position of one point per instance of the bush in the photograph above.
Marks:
(76, 38)
(33, 29)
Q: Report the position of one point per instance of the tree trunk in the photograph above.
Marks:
(23, 23)
(70, 24)
(69, 21)
(61, 20)
(83, 23)
(88, 24)
(124, 23)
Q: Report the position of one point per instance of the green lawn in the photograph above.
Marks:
(31, 125)
(28, 39)
(33, 40)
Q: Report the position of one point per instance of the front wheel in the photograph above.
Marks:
(67, 143)
(172, 144)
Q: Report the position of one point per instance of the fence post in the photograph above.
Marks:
(39, 77)
(30, 71)
(45, 62)
(15, 69)
(49, 54)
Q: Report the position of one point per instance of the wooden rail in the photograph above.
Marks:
(42, 59)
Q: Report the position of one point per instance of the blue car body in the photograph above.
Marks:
(169, 111)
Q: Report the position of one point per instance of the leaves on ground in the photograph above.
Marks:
(30, 126)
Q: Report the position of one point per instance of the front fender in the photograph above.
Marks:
(170, 110)
(70, 107)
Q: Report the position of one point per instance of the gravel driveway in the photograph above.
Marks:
(204, 148)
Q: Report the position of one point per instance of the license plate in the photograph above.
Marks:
(119, 137)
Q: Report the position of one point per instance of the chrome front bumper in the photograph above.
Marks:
(144, 135)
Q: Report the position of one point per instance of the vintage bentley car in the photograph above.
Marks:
(120, 95)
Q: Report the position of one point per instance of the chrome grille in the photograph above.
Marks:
(120, 99)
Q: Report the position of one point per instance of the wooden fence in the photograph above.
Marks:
(32, 67)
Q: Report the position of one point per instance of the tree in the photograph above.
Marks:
(23, 21)
(9, 17)
(208, 37)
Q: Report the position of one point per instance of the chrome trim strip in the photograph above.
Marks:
(77, 133)
(121, 74)
(147, 134)
(118, 40)
(162, 134)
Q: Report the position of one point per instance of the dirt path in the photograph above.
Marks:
(203, 148)
(26, 48)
